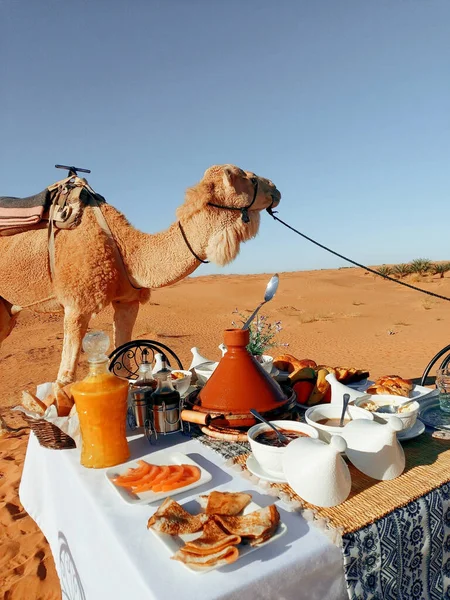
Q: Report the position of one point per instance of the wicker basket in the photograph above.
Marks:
(48, 435)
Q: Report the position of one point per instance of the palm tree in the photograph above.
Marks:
(421, 266)
(441, 269)
(384, 270)
(401, 270)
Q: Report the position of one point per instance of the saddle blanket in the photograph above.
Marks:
(21, 212)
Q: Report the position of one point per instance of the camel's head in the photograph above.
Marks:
(238, 189)
(232, 199)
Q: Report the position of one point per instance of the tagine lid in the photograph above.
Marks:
(374, 448)
(239, 381)
(316, 470)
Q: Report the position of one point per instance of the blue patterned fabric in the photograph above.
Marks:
(403, 556)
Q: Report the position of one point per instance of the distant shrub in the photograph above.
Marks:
(401, 270)
(385, 270)
(421, 266)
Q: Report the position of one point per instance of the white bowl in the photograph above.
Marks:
(204, 371)
(182, 384)
(266, 362)
(333, 411)
(270, 457)
(408, 417)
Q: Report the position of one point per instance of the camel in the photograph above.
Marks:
(90, 274)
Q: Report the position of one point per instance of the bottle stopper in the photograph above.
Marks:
(96, 344)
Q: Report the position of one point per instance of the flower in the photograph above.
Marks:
(262, 333)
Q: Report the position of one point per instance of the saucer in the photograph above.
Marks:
(255, 469)
(417, 429)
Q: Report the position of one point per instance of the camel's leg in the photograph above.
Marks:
(75, 327)
(125, 315)
(7, 320)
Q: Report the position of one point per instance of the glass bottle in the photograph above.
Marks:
(141, 391)
(101, 401)
(165, 402)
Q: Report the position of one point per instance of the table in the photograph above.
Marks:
(103, 550)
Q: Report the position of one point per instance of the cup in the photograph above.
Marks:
(443, 385)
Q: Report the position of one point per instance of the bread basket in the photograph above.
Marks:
(48, 435)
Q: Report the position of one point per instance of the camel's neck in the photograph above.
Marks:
(155, 260)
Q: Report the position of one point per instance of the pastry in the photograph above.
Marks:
(393, 385)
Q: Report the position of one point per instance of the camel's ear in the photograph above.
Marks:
(214, 170)
(228, 178)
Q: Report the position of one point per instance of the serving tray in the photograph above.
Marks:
(432, 415)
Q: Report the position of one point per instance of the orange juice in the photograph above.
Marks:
(101, 401)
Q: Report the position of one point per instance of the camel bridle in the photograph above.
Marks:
(244, 209)
(244, 214)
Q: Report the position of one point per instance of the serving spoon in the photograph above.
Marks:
(271, 288)
(283, 439)
(390, 409)
(346, 400)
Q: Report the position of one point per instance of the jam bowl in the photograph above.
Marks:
(265, 445)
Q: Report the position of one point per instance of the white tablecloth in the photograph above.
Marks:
(103, 550)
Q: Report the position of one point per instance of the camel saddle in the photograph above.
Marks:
(60, 205)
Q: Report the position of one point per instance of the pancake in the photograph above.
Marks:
(225, 556)
(225, 503)
(171, 518)
(213, 539)
(258, 526)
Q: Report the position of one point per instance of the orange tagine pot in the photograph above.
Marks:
(240, 383)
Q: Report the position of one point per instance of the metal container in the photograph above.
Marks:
(166, 417)
(141, 403)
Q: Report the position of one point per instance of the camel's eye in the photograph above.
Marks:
(253, 180)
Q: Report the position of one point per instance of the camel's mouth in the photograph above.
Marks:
(275, 201)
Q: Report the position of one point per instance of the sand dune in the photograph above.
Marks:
(340, 317)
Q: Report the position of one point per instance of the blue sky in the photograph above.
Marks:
(344, 104)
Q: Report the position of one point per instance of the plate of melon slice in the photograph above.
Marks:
(156, 476)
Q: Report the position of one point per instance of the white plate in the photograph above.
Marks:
(418, 391)
(417, 429)
(164, 457)
(256, 469)
(174, 542)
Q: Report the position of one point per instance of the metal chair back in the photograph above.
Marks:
(125, 359)
(434, 360)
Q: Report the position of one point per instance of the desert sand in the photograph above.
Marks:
(342, 317)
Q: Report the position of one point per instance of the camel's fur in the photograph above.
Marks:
(89, 274)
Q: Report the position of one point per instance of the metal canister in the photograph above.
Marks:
(166, 416)
(141, 403)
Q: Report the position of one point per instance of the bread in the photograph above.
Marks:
(321, 389)
(393, 385)
(49, 399)
(63, 400)
(32, 403)
(288, 362)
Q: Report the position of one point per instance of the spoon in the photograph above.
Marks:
(390, 409)
(283, 439)
(346, 399)
(271, 288)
